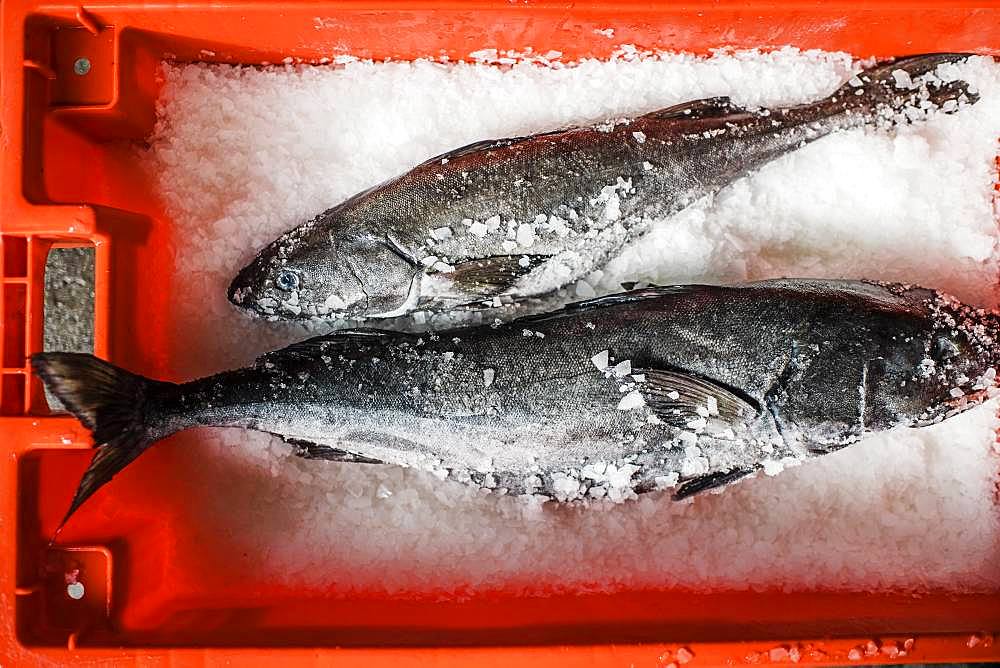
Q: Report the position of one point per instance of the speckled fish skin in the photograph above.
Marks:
(522, 217)
(729, 380)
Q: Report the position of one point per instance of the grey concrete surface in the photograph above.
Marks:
(69, 304)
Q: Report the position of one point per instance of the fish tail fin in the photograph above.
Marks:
(904, 90)
(113, 403)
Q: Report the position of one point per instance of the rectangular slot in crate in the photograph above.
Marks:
(69, 304)
(12, 394)
(15, 257)
(69, 300)
(15, 300)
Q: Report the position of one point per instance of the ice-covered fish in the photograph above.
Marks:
(524, 216)
(686, 387)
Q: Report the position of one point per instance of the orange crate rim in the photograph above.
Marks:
(46, 198)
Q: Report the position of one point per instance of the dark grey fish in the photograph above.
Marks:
(521, 217)
(685, 388)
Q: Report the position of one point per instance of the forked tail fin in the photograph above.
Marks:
(904, 90)
(113, 403)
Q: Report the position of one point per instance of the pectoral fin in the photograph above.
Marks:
(492, 275)
(678, 397)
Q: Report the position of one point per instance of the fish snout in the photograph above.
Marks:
(242, 291)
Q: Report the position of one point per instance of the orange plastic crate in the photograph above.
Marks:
(63, 181)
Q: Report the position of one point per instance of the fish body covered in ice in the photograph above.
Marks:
(684, 388)
(521, 217)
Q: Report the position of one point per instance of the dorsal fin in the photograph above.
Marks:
(486, 145)
(348, 338)
(468, 149)
(637, 295)
(711, 107)
(474, 147)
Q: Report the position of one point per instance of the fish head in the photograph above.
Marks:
(309, 273)
(948, 367)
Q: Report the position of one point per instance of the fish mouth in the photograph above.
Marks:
(241, 293)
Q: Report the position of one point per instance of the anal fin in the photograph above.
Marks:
(702, 483)
(310, 450)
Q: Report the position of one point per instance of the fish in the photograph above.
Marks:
(504, 221)
(678, 388)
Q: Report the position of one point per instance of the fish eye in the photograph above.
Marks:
(287, 280)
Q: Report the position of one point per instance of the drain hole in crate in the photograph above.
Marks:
(69, 304)
(15, 257)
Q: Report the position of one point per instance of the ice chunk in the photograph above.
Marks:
(565, 487)
(697, 424)
(335, 303)
(620, 477)
(600, 360)
(772, 467)
(666, 481)
(902, 79)
(584, 290)
(631, 401)
(526, 234)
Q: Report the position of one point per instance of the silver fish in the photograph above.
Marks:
(685, 388)
(521, 217)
